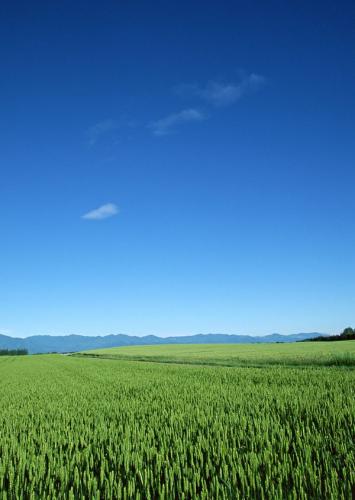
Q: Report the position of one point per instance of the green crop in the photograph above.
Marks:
(99, 428)
(293, 354)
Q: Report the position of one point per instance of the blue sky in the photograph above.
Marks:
(177, 167)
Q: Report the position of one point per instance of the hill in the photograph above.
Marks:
(74, 343)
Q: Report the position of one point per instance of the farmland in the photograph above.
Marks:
(192, 421)
(297, 354)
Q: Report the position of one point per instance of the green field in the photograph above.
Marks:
(295, 354)
(74, 427)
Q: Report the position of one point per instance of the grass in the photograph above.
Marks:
(293, 354)
(91, 428)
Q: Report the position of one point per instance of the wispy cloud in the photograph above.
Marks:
(98, 130)
(221, 94)
(166, 125)
(103, 212)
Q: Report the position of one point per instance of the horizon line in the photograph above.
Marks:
(161, 337)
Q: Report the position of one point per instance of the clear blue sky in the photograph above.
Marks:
(177, 167)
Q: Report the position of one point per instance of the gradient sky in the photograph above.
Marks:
(177, 167)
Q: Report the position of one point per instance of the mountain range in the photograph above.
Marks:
(73, 343)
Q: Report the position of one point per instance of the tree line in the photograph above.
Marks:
(347, 334)
(13, 352)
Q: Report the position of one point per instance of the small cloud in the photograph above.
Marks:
(103, 212)
(99, 129)
(165, 125)
(221, 94)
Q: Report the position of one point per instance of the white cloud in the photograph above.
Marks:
(99, 129)
(166, 125)
(221, 94)
(103, 212)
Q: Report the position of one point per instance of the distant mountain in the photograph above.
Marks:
(74, 343)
